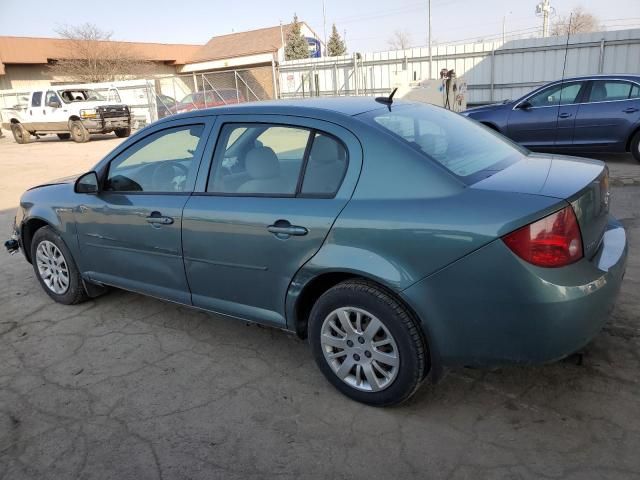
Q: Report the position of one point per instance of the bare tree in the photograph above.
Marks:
(399, 40)
(581, 22)
(91, 56)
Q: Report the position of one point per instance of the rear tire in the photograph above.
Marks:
(123, 132)
(635, 146)
(79, 133)
(55, 268)
(64, 136)
(20, 134)
(367, 344)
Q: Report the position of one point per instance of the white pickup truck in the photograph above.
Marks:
(68, 112)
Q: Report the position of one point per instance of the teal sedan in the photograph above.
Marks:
(400, 239)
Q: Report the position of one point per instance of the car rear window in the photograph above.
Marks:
(468, 150)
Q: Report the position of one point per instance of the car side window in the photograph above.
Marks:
(635, 91)
(36, 100)
(610, 90)
(51, 97)
(561, 94)
(158, 163)
(326, 166)
(258, 159)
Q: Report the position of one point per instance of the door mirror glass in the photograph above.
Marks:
(87, 183)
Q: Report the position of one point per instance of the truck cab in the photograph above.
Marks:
(67, 112)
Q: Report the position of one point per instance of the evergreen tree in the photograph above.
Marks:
(335, 45)
(296, 46)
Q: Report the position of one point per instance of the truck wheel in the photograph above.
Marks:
(20, 134)
(123, 132)
(64, 136)
(78, 131)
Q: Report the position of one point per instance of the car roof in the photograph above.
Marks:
(603, 76)
(346, 106)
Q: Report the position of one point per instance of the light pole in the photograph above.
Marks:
(429, 36)
(324, 28)
(544, 9)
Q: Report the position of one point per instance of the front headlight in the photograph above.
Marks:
(88, 113)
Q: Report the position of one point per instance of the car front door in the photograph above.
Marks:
(55, 113)
(130, 232)
(608, 114)
(546, 119)
(275, 187)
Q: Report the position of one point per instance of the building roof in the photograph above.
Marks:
(242, 44)
(33, 50)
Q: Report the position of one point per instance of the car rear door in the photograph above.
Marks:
(35, 112)
(263, 208)
(130, 232)
(608, 114)
(548, 120)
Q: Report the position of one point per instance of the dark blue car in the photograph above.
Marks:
(599, 113)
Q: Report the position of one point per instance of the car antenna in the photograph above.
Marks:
(564, 68)
(387, 100)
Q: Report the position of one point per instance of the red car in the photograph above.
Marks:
(209, 98)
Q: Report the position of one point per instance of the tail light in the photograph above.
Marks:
(552, 241)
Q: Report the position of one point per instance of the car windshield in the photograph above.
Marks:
(466, 149)
(79, 95)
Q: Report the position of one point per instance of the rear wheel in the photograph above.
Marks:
(79, 133)
(635, 146)
(367, 344)
(123, 132)
(64, 136)
(20, 134)
(55, 268)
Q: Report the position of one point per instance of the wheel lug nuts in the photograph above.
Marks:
(367, 354)
(349, 343)
(356, 357)
(360, 340)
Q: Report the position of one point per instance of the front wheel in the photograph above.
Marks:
(123, 132)
(55, 268)
(79, 132)
(635, 146)
(367, 344)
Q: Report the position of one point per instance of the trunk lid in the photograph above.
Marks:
(581, 182)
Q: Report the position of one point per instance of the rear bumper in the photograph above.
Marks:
(491, 308)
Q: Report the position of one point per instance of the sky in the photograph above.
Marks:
(368, 23)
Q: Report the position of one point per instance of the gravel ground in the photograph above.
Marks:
(128, 387)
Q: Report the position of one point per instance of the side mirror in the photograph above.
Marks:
(54, 104)
(524, 106)
(87, 183)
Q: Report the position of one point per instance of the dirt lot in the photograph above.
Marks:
(128, 387)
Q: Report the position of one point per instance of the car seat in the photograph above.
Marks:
(325, 168)
(263, 168)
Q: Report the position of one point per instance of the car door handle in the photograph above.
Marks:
(630, 110)
(564, 115)
(156, 218)
(282, 228)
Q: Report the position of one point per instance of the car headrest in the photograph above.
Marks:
(262, 163)
(324, 150)
(599, 92)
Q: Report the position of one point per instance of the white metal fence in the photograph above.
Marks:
(493, 71)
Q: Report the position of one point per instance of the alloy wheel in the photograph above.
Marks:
(52, 267)
(360, 349)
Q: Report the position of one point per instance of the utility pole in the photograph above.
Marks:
(544, 9)
(324, 28)
(429, 36)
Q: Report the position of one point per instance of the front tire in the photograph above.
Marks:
(635, 146)
(123, 132)
(55, 268)
(20, 134)
(79, 132)
(367, 344)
